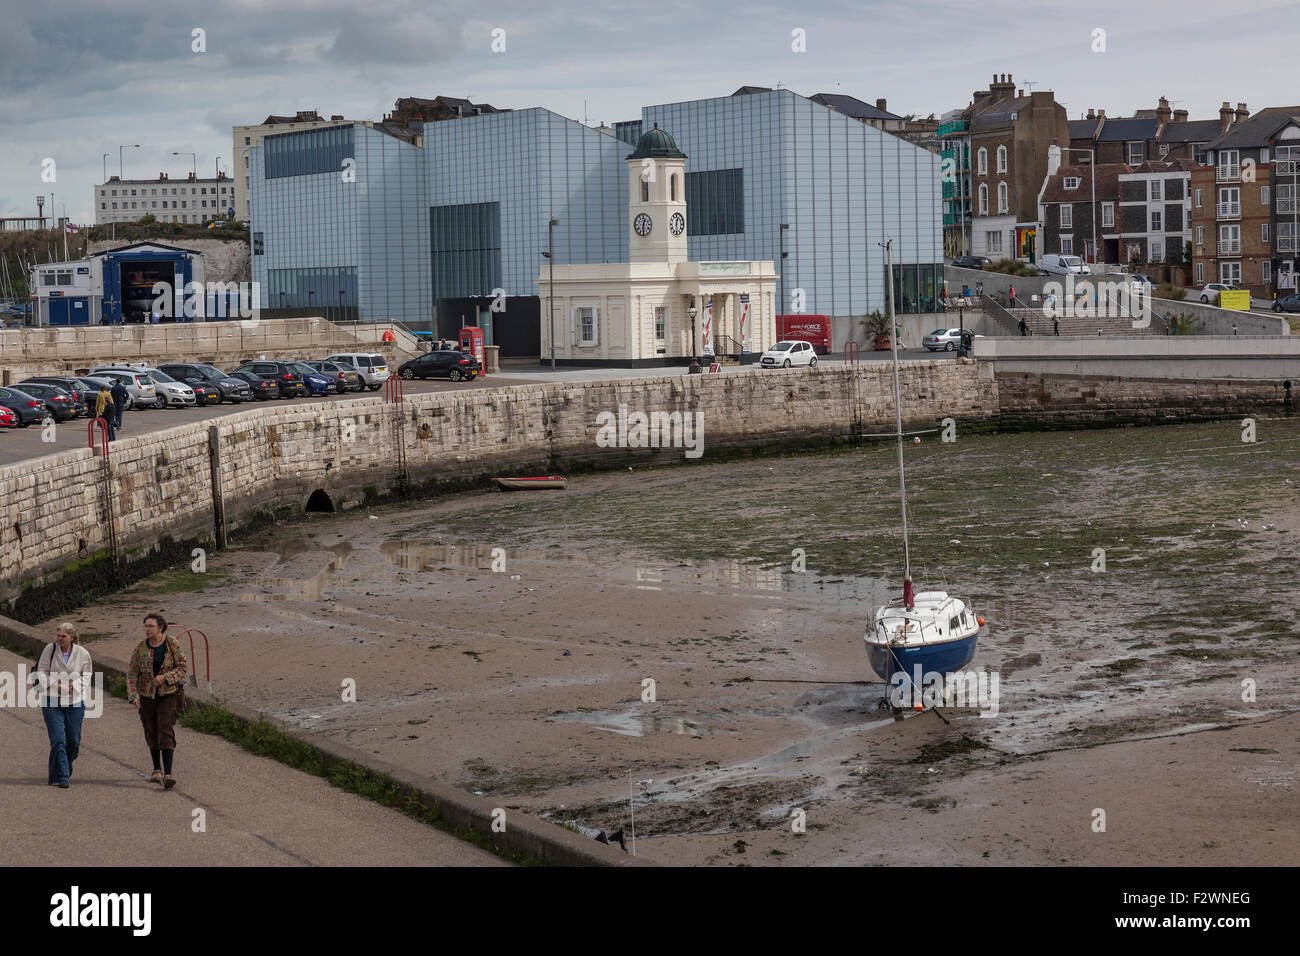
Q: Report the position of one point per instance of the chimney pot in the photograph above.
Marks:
(880, 103)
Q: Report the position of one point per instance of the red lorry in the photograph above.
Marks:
(806, 328)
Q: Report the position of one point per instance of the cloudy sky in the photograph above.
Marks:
(83, 78)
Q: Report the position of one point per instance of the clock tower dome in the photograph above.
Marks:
(656, 199)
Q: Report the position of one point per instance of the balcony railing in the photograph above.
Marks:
(1229, 247)
(1288, 205)
(1287, 244)
(1229, 210)
(1227, 174)
(1286, 167)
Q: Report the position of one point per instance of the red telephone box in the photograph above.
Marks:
(471, 341)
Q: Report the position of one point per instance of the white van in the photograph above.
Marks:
(1063, 265)
(372, 367)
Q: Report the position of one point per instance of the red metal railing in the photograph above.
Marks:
(851, 353)
(207, 657)
(90, 434)
(393, 390)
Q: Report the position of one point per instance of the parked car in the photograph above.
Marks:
(452, 365)
(1056, 265)
(1210, 293)
(92, 383)
(229, 389)
(28, 409)
(347, 378)
(57, 401)
(318, 382)
(170, 392)
(139, 387)
(372, 367)
(788, 353)
(80, 392)
(972, 262)
(946, 339)
(815, 329)
(8, 418)
(282, 373)
(260, 388)
(1288, 303)
(205, 393)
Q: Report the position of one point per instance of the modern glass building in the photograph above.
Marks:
(352, 222)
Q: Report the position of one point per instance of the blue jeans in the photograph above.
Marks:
(64, 727)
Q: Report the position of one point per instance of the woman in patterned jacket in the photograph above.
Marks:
(154, 679)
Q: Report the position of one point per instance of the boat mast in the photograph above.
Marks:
(898, 404)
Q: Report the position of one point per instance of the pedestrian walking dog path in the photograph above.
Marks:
(256, 812)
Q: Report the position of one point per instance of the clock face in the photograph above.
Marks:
(677, 223)
(642, 225)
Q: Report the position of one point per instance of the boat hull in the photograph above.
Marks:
(945, 657)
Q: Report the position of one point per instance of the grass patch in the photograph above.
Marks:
(180, 581)
(267, 740)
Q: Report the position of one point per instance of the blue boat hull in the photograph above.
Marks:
(945, 658)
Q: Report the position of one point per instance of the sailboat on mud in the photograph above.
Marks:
(930, 632)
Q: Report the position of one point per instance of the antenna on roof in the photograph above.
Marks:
(1029, 84)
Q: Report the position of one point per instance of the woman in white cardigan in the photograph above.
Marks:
(65, 666)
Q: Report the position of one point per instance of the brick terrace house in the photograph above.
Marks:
(1066, 206)
(1246, 204)
(1155, 215)
(1009, 137)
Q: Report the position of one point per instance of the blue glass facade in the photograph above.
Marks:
(468, 212)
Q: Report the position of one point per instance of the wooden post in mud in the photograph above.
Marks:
(214, 467)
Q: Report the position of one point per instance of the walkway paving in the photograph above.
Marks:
(258, 812)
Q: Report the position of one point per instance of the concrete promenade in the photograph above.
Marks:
(258, 812)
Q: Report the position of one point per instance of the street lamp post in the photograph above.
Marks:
(1092, 165)
(194, 163)
(780, 308)
(695, 362)
(105, 165)
(550, 300)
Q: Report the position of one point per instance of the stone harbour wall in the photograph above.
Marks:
(1073, 399)
(185, 482)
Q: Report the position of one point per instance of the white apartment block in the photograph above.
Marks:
(189, 200)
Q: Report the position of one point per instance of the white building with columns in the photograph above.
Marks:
(639, 312)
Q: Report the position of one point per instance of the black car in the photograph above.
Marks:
(28, 408)
(208, 377)
(57, 401)
(282, 373)
(972, 262)
(1288, 303)
(452, 365)
(260, 388)
(92, 384)
(80, 392)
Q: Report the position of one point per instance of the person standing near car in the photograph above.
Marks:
(65, 668)
(155, 679)
(120, 396)
(103, 410)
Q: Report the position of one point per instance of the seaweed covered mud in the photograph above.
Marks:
(683, 645)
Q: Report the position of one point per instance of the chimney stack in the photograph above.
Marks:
(1180, 116)
(1092, 114)
(1225, 117)
(880, 103)
(1101, 114)
(1163, 113)
(1243, 114)
(1053, 159)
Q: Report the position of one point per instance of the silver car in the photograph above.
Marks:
(167, 392)
(140, 388)
(946, 339)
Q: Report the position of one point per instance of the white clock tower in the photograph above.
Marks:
(656, 173)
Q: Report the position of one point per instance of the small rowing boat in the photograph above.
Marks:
(538, 481)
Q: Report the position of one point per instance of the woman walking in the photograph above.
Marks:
(154, 681)
(65, 665)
